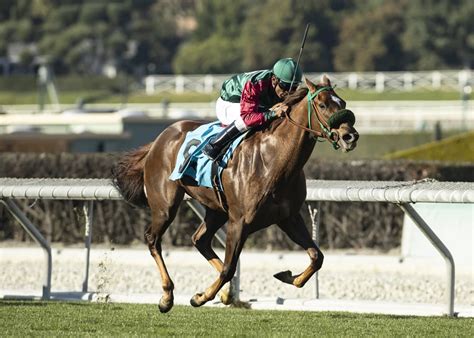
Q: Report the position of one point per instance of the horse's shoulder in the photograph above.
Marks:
(263, 140)
(264, 133)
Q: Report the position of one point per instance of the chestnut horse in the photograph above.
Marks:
(263, 184)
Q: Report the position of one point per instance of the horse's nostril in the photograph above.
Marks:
(348, 138)
(351, 137)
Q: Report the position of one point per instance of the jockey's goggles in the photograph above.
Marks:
(287, 86)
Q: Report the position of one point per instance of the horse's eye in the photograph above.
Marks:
(322, 106)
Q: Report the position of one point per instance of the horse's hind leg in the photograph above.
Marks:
(296, 229)
(163, 207)
(202, 240)
(234, 243)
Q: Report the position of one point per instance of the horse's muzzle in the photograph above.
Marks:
(347, 138)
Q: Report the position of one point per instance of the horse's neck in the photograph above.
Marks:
(301, 146)
(295, 144)
(275, 156)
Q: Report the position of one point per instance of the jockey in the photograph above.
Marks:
(246, 99)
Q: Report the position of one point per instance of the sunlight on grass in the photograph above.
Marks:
(458, 148)
(59, 318)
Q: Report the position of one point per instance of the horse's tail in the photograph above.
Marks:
(128, 176)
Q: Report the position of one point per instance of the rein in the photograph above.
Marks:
(335, 117)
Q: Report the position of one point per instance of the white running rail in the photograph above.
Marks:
(400, 193)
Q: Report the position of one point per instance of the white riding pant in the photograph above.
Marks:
(228, 112)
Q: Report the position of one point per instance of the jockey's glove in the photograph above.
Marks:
(269, 115)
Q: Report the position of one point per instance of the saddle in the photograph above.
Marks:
(194, 166)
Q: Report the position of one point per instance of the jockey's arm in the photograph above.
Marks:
(249, 103)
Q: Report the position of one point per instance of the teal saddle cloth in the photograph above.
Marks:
(192, 163)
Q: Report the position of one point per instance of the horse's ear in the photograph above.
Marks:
(325, 80)
(311, 86)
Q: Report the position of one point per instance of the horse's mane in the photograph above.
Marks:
(295, 97)
(290, 100)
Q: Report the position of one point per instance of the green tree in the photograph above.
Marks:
(267, 38)
(369, 39)
(7, 31)
(61, 18)
(26, 58)
(215, 45)
(92, 12)
(142, 36)
(118, 14)
(24, 30)
(156, 40)
(213, 55)
(81, 36)
(440, 34)
(6, 9)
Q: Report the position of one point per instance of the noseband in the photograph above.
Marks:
(338, 117)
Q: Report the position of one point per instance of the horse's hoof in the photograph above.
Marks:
(285, 277)
(227, 295)
(195, 301)
(165, 305)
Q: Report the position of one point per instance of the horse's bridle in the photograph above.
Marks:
(326, 126)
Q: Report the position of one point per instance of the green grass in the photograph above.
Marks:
(458, 148)
(9, 97)
(347, 94)
(396, 95)
(85, 319)
(376, 146)
(101, 96)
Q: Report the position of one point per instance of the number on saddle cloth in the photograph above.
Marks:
(187, 154)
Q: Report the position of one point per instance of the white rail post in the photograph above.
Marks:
(36, 235)
(88, 209)
(315, 215)
(380, 82)
(208, 83)
(352, 80)
(426, 230)
(150, 85)
(408, 81)
(436, 80)
(179, 84)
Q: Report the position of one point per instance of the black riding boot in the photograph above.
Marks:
(214, 147)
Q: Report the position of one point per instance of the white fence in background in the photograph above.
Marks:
(379, 81)
(371, 116)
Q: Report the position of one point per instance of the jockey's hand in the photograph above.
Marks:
(280, 109)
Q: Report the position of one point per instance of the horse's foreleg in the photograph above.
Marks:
(297, 231)
(234, 244)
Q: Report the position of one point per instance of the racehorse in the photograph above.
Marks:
(263, 184)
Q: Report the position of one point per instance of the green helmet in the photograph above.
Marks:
(284, 69)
